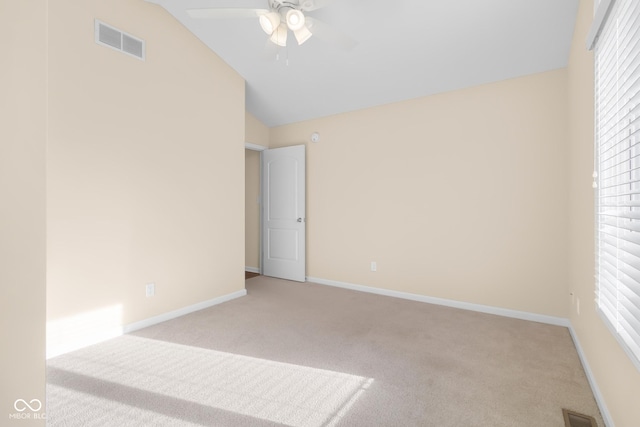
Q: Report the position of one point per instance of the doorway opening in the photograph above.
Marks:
(275, 206)
(253, 218)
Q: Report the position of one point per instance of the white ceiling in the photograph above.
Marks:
(406, 49)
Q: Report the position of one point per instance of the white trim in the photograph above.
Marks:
(604, 411)
(254, 147)
(252, 269)
(600, 18)
(82, 331)
(182, 311)
(632, 357)
(523, 315)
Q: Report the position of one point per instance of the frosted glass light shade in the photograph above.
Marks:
(279, 36)
(269, 22)
(295, 20)
(302, 35)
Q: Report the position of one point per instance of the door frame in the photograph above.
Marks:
(260, 149)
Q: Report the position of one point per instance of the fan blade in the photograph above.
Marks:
(310, 5)
(225, 13)
(328, 34)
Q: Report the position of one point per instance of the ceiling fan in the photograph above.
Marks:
(283, 16)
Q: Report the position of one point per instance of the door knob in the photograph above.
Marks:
(299, 219)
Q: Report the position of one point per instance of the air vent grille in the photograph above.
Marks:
(106, 35)
(575, 419)
(132, 46)
(109, 36)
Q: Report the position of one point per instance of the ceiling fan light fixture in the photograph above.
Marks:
(295, 20)
(279, 36)
(307, 4)
(302, 35)
(269, 22)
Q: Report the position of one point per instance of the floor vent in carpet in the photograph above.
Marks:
(575, 419)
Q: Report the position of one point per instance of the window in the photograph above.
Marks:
(617, 153)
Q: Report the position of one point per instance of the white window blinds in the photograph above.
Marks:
(617, 92)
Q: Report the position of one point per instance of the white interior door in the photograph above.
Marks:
(283, 213)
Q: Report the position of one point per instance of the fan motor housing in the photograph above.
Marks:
(289, 4)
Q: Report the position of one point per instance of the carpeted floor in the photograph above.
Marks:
(302, 354)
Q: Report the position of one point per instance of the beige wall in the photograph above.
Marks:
(255, 132)
(22, 215)
(616, 377)
(454, 183)
(145, 166)
(459, 196)
(252, 209)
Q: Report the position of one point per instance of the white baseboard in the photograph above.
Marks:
(74, 333)
(604, 411)
(252, 269)
(83, 329)
(523, 315)
(182, 311)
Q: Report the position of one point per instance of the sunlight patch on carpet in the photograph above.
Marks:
(148, 378)
(84, 329)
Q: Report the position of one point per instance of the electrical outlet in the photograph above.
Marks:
(150, 289)
(374, 266)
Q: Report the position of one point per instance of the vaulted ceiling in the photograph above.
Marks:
(404, 49)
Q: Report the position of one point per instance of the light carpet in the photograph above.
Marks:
(302, 354)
